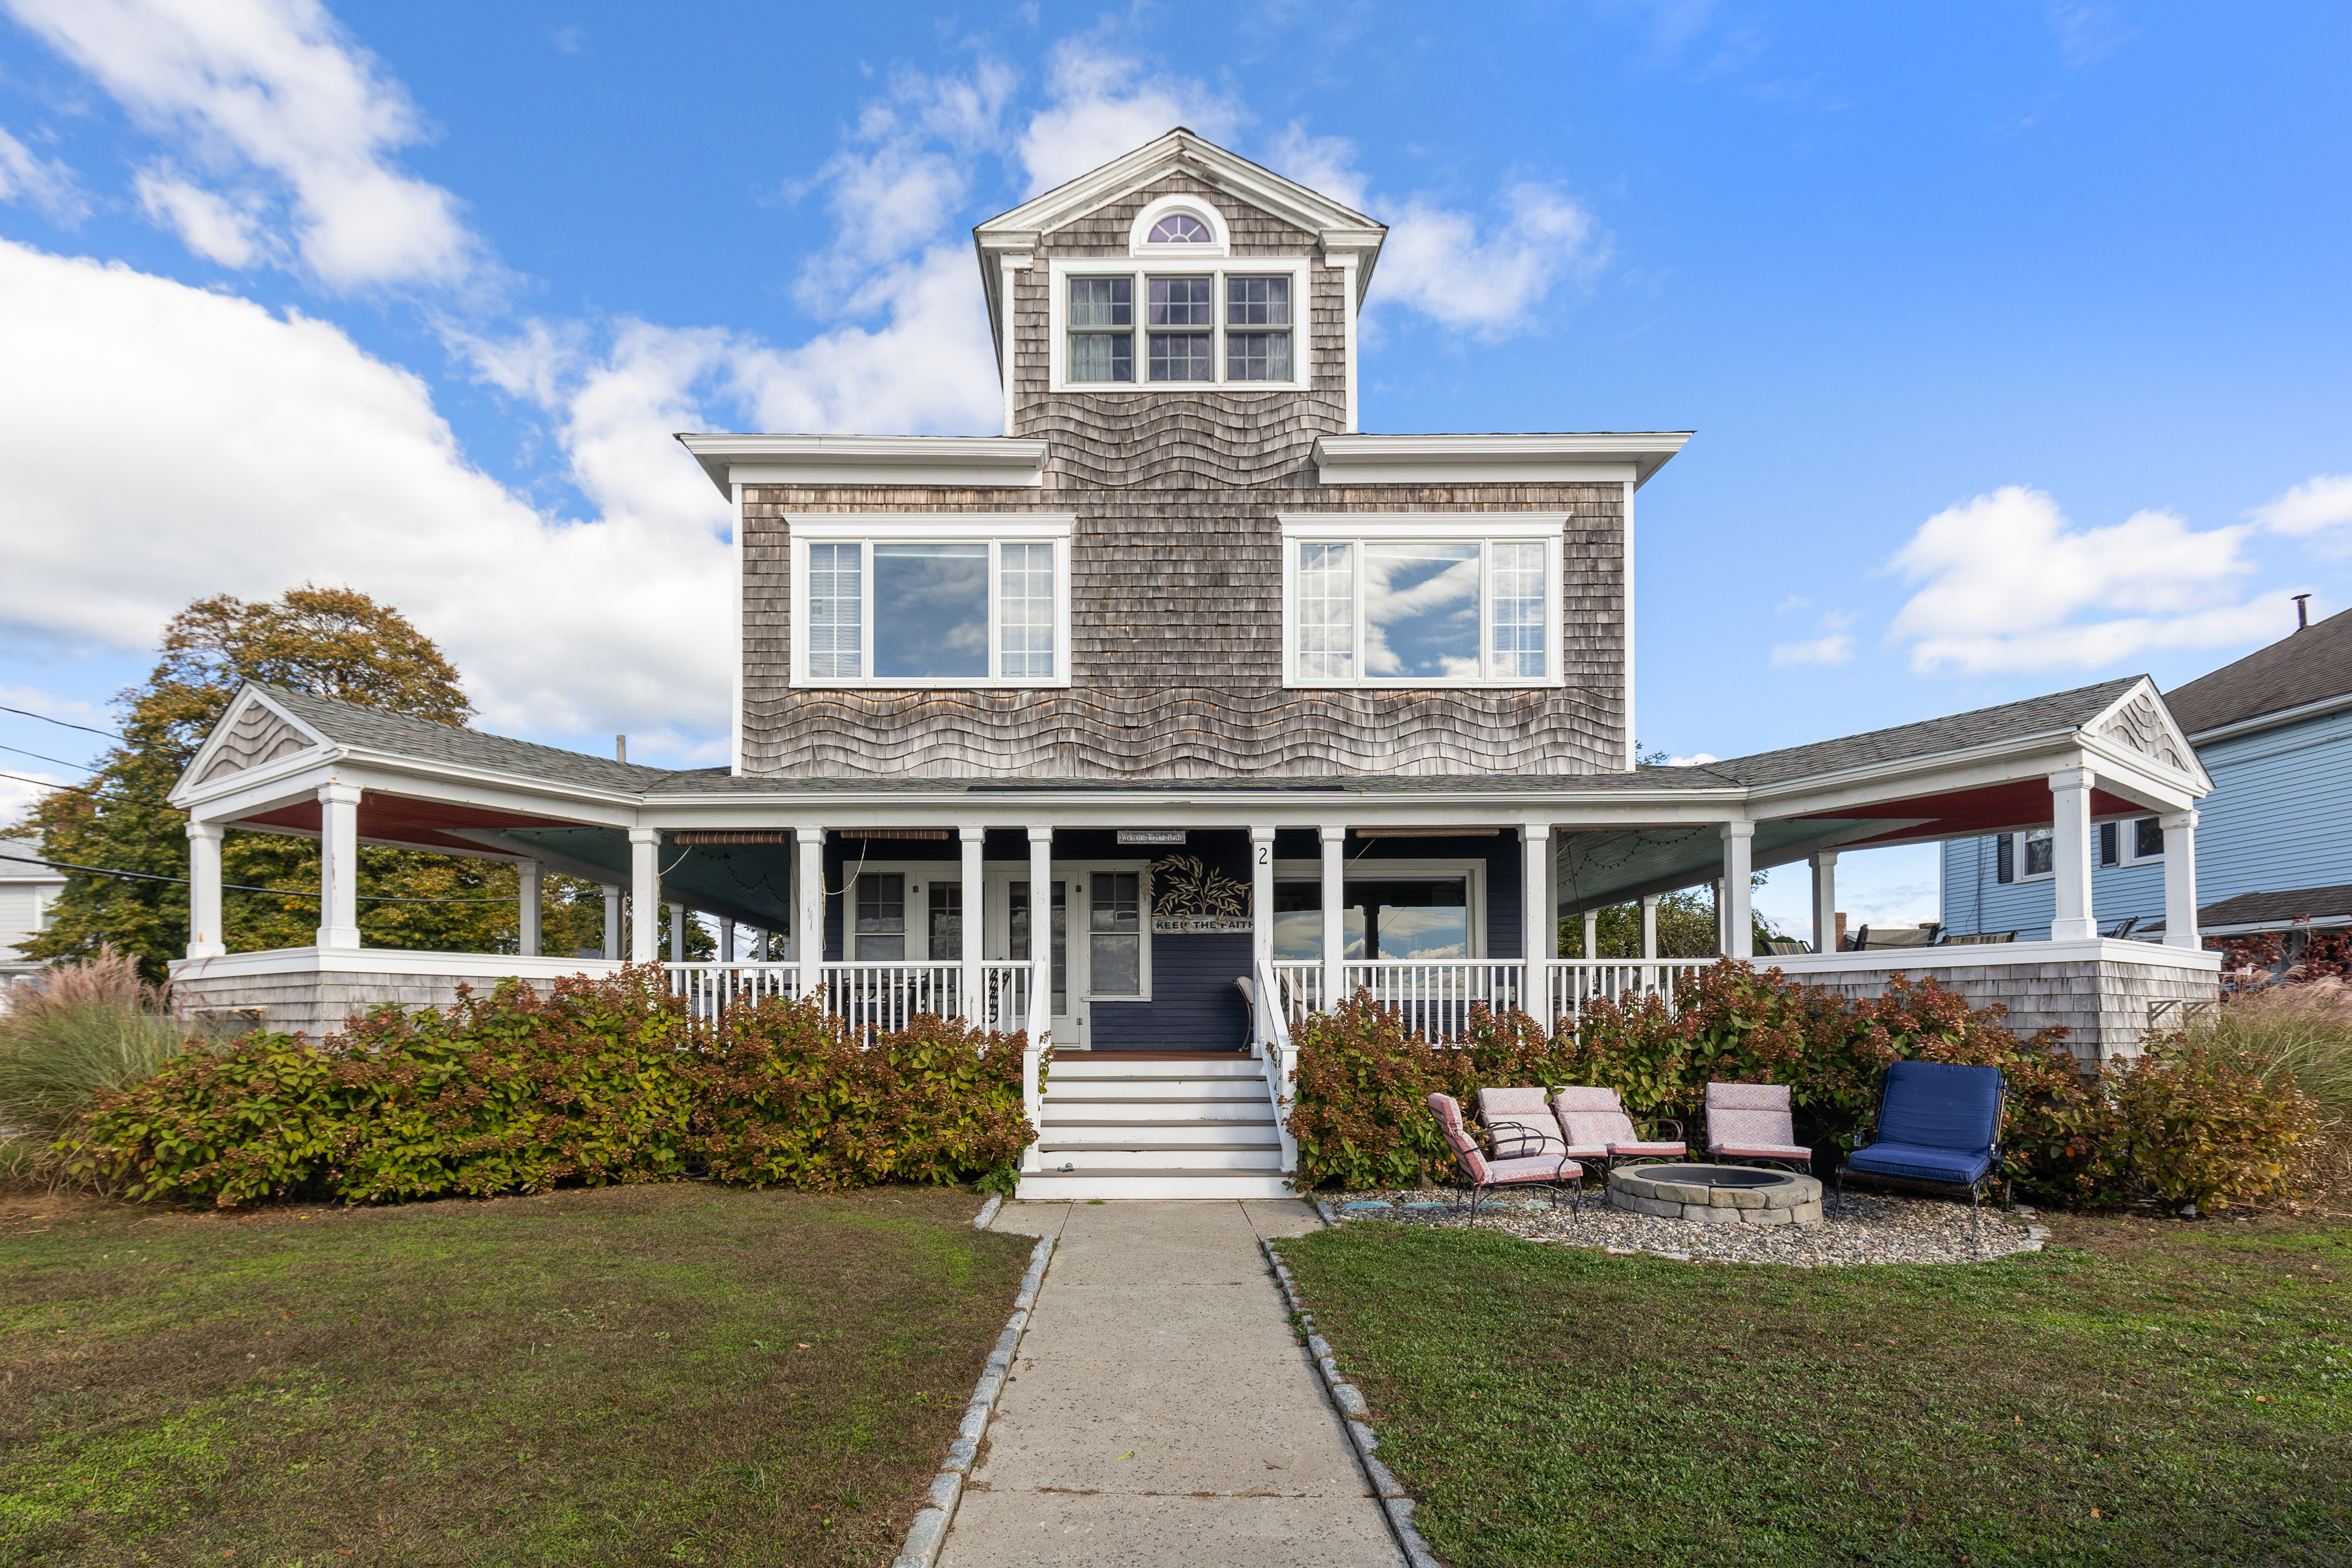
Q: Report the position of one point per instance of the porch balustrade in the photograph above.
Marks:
(1570, 985)
(1435, 999)
(869, 998)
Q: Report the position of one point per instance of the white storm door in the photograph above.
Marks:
(1008, 908)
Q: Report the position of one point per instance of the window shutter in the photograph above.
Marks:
(2005, 858)
(2111, 841)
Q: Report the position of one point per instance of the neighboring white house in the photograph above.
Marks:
(27, 892)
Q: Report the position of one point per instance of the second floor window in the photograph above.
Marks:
(1221, 325)
(911, 612)
(1433, 611)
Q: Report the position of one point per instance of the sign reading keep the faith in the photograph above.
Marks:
(1200, 925)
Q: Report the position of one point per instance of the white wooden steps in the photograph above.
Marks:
(1121, 1125)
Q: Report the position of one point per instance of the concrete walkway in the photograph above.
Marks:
(1160, 1411)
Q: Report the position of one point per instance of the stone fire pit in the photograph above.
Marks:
(1717, 1195)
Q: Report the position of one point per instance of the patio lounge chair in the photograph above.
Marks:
(1779, 945)
(1872, 937)
(1552, 1172)
(1518, 1123)
(1751, 1121)
(1594, 1123)
(1977, 938)
(1938, 1126)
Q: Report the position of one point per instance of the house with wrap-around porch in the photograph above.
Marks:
(1180, 708)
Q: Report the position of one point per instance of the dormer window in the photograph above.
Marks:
(1181, 229)
(1203, 324)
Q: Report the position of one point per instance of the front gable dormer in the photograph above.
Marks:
(1180, 273)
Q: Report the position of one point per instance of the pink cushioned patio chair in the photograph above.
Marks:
(1594, 1123)
(1550, 1172)
(1751, 1121)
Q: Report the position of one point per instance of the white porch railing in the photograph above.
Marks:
(868, 996)
(1435, 999)
(1571, 984)
(1280, 1057)
(1298, 990)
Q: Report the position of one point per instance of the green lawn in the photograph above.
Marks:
(677, 1374)
(2139, 1393)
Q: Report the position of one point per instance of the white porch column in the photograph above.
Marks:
(975, 1009)
(527, 894)
(1262, 931)
(2071, 844)
(1722, 927)
(204, 889)
(339, 865)
(677, 933)
(1539, 938)
(644, 895)
(1592, 933)
(2180, 879)
(611, 919)
(808, 915)
(1825, 901)
(726, 941)
(1335, 916)
(1738, 929)
(1650, 925)
(1041, 933)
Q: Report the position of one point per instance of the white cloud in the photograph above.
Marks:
(2087, 33)
(273, 101)
(20, 792)
(2010, 585)
(1835, 649)
(1103, 104)
(1695, 760)
(162, 442)
(48, 184)
(1442, 261)
(210, 224)
(2321, 502)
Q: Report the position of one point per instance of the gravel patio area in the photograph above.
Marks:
(1868, 1227)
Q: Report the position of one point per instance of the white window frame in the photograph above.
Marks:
(1169, 262)
(1220, 242)
(2127, 835)
(1081, 923)
(2018, 873)
(994, 529)
(1444, 527)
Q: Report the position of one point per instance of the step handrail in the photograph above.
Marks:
(1281, 1058)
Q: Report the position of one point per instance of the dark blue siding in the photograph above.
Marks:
(1194, 1005)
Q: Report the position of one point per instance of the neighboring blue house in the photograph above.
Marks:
(2274, 731)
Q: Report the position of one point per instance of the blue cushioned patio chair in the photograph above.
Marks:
(1938, 1127)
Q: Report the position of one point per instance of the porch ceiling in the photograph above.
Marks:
(748, 882)
(403, 820)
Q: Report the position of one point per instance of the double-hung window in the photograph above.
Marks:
(1161, 322)
(1441, 599)
(930, 600)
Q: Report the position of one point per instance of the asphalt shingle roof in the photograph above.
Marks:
(348, 723)
(2311, 666)
(2058, 712)
(421, 738)
(2278, 908)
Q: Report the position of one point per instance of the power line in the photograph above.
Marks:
(78, 767)
(68, 724)
(240, 887)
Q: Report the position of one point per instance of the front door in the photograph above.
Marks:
(1010, 907)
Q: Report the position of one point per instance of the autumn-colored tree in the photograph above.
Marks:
(333, 642)
(1685, 928)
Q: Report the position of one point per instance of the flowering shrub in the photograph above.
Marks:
(598, 1082)
(2180, 1124)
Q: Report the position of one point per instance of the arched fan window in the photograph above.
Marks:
(1180, 228)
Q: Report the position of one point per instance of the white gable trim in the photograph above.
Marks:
(2138, 724)
(244, 702)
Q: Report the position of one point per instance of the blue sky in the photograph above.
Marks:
(2015, 335)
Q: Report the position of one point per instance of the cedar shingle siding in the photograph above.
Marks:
(1176, 584)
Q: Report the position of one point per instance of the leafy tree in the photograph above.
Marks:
(333, 642)
(1685, 928)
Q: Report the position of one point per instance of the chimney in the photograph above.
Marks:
(1840, 946)
(620, 747)
(2302, 611)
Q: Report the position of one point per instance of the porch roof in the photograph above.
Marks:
(1621, 834)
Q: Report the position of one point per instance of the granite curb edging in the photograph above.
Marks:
(1395, 1506)
(929, 1531)
(988, 1211)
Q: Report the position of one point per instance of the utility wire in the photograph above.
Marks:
(78, 767)
(77, 789)
(240, 887)
(68, 724)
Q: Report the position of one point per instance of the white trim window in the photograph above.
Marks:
(1444, 599)
(930, 601)
(1161, 322)
(2132, 843)
(2027, 857)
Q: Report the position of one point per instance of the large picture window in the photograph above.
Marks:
(975, 604)
(1417, 603)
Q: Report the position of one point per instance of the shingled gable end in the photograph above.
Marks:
(1177, 709)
